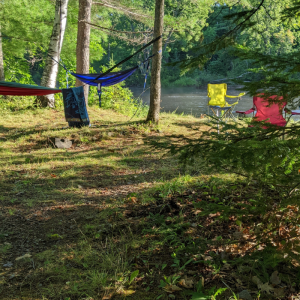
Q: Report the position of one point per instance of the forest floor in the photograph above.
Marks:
(111, 217)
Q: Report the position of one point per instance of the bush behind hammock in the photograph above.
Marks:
(116, 97)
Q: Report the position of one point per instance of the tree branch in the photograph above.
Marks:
(122, 9)
(110, 29)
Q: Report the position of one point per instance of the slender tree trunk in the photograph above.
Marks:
(155, 88)
(2, 77)
(83, 43)
(51, 67)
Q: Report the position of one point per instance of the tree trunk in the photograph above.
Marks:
(51, 67)
(155, 87)
(2, 77)
(83, 43)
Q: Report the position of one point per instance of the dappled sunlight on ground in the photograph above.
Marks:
(112, 216)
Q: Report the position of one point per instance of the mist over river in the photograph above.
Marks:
(192, 100)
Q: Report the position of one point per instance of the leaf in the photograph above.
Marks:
(274, 279)
(256, 280)
(171, 288)
(134, 199)
(200, 285)
(107, 297)
(186, 283)
(238, 222)
(53, 175)
(199, 296)
(263, 287)
(186, 263)
(24, 256)
(122, 291)
(279, 292)
(162, 284)
(266, 287)
(128, 292)
(133, 275)
(219, 291)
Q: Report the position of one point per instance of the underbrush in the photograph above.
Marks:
(11, 103)
(115, 97)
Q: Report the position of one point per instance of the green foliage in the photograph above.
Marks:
(249, 24)
(11, 103)
(202, 294)
(133, 275)
(268, 162)
(255, 152)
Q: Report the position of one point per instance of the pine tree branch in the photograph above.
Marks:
(240, 25)
(16, 38)
(219, 43)
(103, 3)
(110, 29)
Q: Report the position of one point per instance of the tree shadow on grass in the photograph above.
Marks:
(81, 220)
(71, 242)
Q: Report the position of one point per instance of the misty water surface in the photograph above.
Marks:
(191, 100)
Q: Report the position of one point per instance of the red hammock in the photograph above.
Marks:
(18, 89)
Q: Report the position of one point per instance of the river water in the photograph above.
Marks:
(191, 100)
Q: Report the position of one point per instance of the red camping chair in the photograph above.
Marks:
(268, 112)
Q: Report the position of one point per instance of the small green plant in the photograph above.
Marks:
(177, 262)
(133, 275)
(11, 211)
(97, 279)
(4, 248)
(171, 280)
(55, 236)
(202, 294)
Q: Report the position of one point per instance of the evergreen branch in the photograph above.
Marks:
(221, 42)
(16, 38)
(240, 25)
(268, 13)
(110, 29)
(125, 10)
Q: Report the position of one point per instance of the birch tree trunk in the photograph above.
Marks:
(155, 87)
(51, 67)
(2, 77)
(83, 43)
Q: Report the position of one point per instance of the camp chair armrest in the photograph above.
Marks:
(240, 95)
(294, 112)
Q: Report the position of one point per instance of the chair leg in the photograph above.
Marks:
(218, 121)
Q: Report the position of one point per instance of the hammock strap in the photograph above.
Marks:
(129, 57)
(146, 75)
(99, 90)
(67, 78)
(59, 63)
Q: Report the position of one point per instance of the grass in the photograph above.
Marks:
(112, 218)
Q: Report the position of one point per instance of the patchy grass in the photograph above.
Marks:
(111, 217)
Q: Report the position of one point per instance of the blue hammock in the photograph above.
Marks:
(105, 80)
(109, 78)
